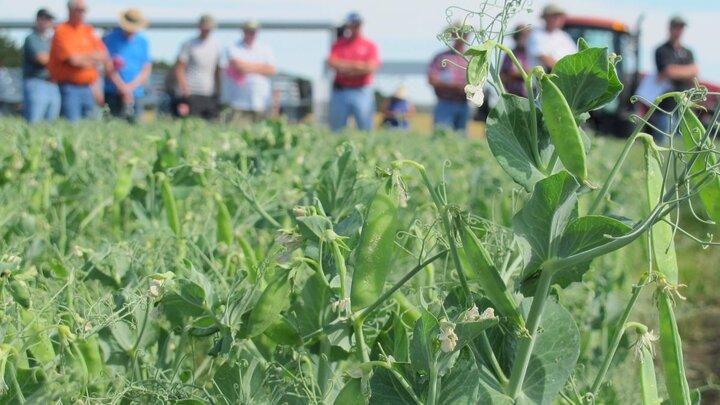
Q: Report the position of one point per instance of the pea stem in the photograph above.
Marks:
(324, 367)
(443, 211)
(432, 393)
(533, 118)
(617, 336)
(490, 357)
(360, 336)
(526, 344)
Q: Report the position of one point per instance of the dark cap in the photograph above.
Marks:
(677, 21)
(45, 14)
(353, 18)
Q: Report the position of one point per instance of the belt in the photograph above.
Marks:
(338, 86)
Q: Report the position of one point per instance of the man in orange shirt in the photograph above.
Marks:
(75, 55)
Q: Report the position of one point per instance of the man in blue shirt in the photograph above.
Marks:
(41, 97)
(131, 66)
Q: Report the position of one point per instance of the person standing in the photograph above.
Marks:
(76, 52)
(197, 71)
(355, 59)
(509, 73)
(447, 76)
(548, 45)
(130, 55)
(675, 64)
(250, 66)
(41, 97)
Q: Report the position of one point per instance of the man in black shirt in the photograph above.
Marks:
(676, 64)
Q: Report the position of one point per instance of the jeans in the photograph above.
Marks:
(662, 122)
(78, 101)
(41, 100)
(451, 114)
(358, 102)
(118, 109)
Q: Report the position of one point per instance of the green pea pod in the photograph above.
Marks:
(20, 292)
(171, 207)
(672, 355)
(564, 132)
(692, 131)
(661, 234)
(124, 183)
(38, 341)
(351, 394)
(273, 300)
(224, 222)
(375, 250)
(484, 272)
(648, 382)
(408, 312)
(90, 351)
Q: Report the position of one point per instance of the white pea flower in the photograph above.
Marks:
(646, 340)
(487, 314)
(472, 314)
(155, 286)
(475, 93)
(448, 338)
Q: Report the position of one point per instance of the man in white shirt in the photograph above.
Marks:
(197, 72)
(547, 46)
(250, 66)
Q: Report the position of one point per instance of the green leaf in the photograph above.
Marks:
(477, 68)
(460, 384)
(582, 77)
(313, 227)
(468, 331)
(508, 134)
(478, 50)
(188, 299)
(386, 389)
(351, 394)
(554, 356)
(539, 225)
(615, 87)
(336, 188)
(580, 235)
(490, 390)
(393, 338)
(582, 44)
(423, 342)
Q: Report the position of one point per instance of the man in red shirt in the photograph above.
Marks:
(354, 59)
(447, 76)
(76, 53)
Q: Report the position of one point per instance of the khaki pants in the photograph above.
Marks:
(243, 118)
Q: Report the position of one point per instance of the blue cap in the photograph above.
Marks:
(353, 18)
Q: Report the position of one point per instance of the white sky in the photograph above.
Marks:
(405, 30)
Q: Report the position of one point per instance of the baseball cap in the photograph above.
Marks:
(678, 20)
(552, 9)
(44, 13)
(251, 25)
(353, 18)
(207, 22)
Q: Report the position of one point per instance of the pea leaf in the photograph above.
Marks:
(490, 390)
(460, 384)
(336, 188)
(540, 224)
(508, 134)
(615, 87)
(556, 351)
(477, 68)
(421, 346)
(387, 390)
(582, 77)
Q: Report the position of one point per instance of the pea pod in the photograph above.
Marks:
(484, 272)
(171, 207)
(661, 234)
(408, 312)
(90, 350)
(273, 300)
(692, 131)
(374, 255)
(38, 341)
(648, 382)
(224, 222)
(20, 292)
(564, 132)
(672, 355)
(124, 183)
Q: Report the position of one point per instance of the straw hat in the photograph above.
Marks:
(132, 20)
(552, 9)
(207, 22)
(251, 25)
(401, 92)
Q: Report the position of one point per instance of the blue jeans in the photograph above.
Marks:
(78, 101)
(41, 100)
(358, 102)
(662, 122)
(451, 114)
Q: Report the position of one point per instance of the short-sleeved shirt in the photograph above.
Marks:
(252, 91)
(129, 55)
(555, 44)
(201, 58)
(72, 40)
(35, 43)
(359, 49)
(449, 67)
(666, 55)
